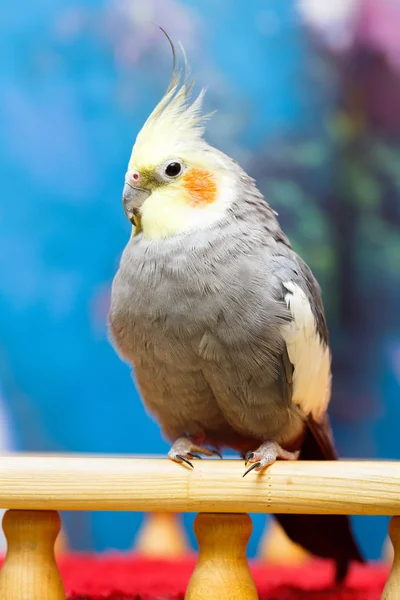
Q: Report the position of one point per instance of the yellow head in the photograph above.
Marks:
(175, 181)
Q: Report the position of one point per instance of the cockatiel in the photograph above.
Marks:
(221, 320)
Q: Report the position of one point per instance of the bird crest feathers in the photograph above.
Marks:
(176, 125)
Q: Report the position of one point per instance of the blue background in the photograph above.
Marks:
(77, 80)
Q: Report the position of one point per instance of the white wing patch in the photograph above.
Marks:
(308, 354)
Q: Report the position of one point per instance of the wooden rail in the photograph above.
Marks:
(143, 484)
(36, 487)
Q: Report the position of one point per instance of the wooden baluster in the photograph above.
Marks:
(392, 587)
(387, 551)
(61, 545)
(162, 536)
(276, 548)
(222, 570)
(30, 571)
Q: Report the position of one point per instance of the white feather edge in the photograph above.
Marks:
(309, 355)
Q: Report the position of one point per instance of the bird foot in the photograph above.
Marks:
(266, 455)
(183, 449)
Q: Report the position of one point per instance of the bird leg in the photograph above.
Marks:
(267, 454)
(183, 449)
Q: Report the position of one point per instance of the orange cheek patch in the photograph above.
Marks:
(201, 186)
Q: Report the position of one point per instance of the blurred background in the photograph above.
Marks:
(307, 94)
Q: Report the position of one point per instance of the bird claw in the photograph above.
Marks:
(266, 455)
(183, 459)
(194, 455)
(255, 465)
(217, 454)
(247, 459)
(184, 449)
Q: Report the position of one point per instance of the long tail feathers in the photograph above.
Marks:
(327, 536)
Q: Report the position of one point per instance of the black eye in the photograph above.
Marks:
(173, 169)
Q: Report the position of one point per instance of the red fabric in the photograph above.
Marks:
(116, 577)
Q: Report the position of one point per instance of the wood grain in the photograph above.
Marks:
(30, 571)
(392, 587)
(158, 485)
(222, 570)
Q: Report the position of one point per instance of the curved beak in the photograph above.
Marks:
(133, 199)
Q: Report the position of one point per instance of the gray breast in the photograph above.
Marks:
(198, 316)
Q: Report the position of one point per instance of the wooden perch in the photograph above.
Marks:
(35, 487)
(159, 485)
